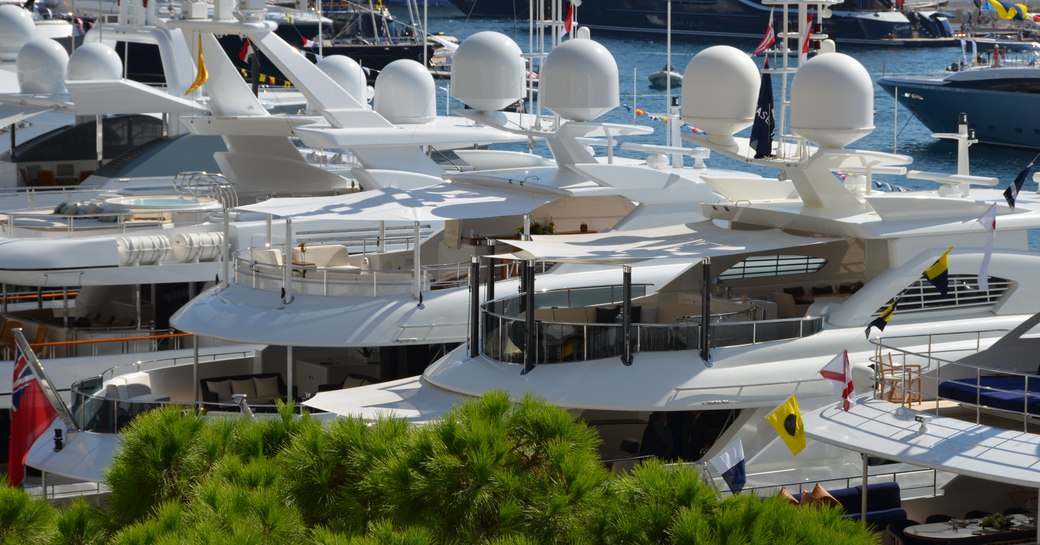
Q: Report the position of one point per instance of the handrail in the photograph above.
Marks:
(928, 368)
(34, 296)
(111, 340)
(559, 342)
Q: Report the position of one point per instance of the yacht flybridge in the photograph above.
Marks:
(768, 290)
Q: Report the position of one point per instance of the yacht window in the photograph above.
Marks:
(922, 295)
(758, 266)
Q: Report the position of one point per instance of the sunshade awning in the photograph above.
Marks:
(437, 203)
(412, 399)
(690, 241)
(887, 430)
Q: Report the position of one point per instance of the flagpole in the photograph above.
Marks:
(668, 73)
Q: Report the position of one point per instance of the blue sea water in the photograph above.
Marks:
(895, 128)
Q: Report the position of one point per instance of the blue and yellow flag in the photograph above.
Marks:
(938, 273)
(787, 421)
(882, 320)
(202, 76)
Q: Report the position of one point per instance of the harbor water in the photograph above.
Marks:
(896, 130)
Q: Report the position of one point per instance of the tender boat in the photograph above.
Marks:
(664, 78)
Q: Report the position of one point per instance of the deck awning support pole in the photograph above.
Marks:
(474, 306)
(287, 295)
(288, 372)
(626, 313)
(195, 370)
(530, 339)
(705, 310)
(489, 289)
(417, 294)
(863, 496)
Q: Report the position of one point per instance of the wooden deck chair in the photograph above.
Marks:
(902, 381)
(7, 337)
(39, 338)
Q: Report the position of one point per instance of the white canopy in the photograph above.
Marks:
(413, 399)
(890, 431)
(441, 202)
(690, 241)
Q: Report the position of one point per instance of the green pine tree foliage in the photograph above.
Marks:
(642, 506)
(492, 472)
(332, 470)
(81, 523)
(494, 468)
(159, 460)
(161, 528)
(24, 519)
(239, 502)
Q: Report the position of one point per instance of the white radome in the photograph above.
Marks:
(16, 29)
(41, 67)
(832, 100)
(719, 93)
(94, 61)
(487, 71)
(347, 73)
(579, 80)
(405, 93)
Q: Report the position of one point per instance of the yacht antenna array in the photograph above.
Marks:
(783, 66)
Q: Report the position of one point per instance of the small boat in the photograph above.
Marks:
(660, 79)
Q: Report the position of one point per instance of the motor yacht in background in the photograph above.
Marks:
(996, 95)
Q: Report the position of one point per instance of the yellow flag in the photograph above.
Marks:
(787, 421)
(202, 76)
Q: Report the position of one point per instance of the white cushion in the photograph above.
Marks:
(244, 386)
(266, 387)
(220, 387)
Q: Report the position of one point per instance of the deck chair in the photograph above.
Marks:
(7, 337)
(39, 338)
(899, 382)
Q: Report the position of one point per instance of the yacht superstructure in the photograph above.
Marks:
(784, 284)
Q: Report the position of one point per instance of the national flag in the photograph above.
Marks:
(202, 76)
(730, 464)
(787, 421)
(568, 20)
(1011, 193)
(882, 320)
(768, 40)
(309, 43)
(938, 272)
(31, 415)
(989, 222)
(762, 130)
(839, 373)
(808, 35)
(246, 52)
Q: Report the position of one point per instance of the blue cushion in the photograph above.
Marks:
(882, 496)
(1012, 397)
